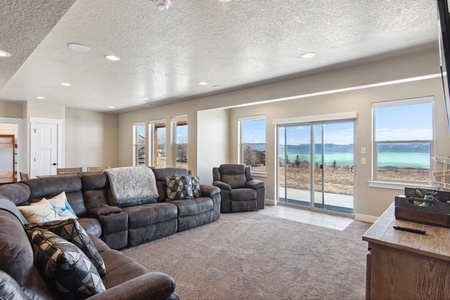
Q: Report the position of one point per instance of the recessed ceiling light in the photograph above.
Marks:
(224, 1)
(203, 83)
(66, 84)
(217, 86)
(112, 57)
(145, 98)
(309, 55)
(78, 47)
(3, 53)
(110, 106)
(40, 97)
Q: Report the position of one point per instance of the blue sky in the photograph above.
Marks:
(182, 134)
(409, 122)
(254, 131)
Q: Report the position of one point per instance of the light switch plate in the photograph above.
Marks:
(363, 160)
(363, 150)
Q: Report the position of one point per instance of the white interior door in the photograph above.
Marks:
(45, 148)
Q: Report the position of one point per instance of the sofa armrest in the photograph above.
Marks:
(209, 190)
(255, 184)
(222, 185)
(151, 286)
(9, 288)
(104, 210)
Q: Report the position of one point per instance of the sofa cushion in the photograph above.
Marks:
(196, 186)
(234, 180)
(232, 169)
(91, 225)
(18, 193)
(39, 212)
(72, 231)
(179, 187)
(16, 255)
(193, 206)
(243, 194)
(10, 289)
(144, 215)
(160, 176)
(65, 266)
(53, 185)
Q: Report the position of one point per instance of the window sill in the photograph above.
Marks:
(259, 174)
(396, 185)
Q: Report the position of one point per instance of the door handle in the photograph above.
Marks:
(352, 169)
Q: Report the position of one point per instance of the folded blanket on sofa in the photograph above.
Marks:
(132, 186)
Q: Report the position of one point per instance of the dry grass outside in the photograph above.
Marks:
(339, 180)
(410, 174)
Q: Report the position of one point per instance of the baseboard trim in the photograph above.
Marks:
(365, 218)
(271, 202)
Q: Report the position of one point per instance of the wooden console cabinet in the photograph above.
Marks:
(403, 265)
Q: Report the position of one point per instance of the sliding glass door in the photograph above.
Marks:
(315, 167)
(294, 165)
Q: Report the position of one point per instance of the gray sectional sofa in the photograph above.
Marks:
(110, 225)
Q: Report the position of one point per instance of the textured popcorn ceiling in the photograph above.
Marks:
(164, 54)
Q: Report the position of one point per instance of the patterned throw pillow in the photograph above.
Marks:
(39, 212)
(196, 186)
(179, 188)
(72, 231)
(56, 208)
(65, 266)
(62, 206)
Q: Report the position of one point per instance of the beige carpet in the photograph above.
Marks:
(253, 256)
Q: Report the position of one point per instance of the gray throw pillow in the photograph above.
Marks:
(72, 231)
(179, 188)
(65, 266)
(196, 186)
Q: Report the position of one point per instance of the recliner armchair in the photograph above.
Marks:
(238, 190)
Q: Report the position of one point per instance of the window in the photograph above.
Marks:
(180, 140)
(139, 144)
(253, 143)
(157, 151)
(403, 140)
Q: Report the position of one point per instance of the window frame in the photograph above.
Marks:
(240, 142)
(174, 124)
(152, 143)
(391, 183)
(136, 144)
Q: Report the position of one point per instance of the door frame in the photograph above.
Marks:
(21, 142)
(59, 128)
(345, 116)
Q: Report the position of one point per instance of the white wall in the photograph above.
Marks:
(213, 124)
(10, 109)
(369, 201)
(40, 109)
(91, 139)
(310, 95)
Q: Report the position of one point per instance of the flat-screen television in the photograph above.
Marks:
(444, 48)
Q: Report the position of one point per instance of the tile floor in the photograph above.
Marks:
(308, 217)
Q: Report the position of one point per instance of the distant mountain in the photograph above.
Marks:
(328, 148)
(256, 146)
(405, 148)
(334, 148)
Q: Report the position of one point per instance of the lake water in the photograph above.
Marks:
(394, 159)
